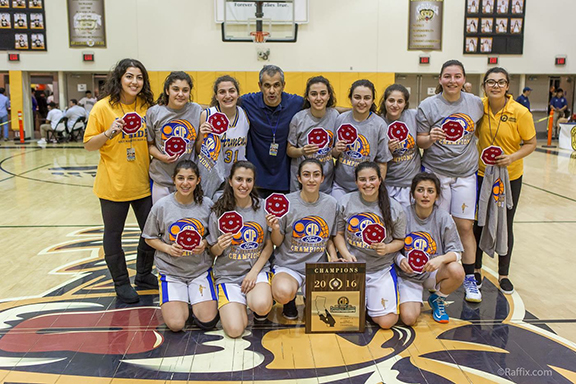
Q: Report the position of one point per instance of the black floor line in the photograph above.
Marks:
(550, 192)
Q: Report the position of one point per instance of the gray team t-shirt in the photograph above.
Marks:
(163, 123)
(354, 214)
(371, 145)
(435, 235)
(451, 158)
(237, 260)
(167, 218)
(405, 163)
(306, 229)
(219, 152)
(302, 123)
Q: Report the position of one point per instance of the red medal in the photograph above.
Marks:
(277, 204)
(373, 233)
(230, 222)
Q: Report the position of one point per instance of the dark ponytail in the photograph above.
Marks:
(383, 198)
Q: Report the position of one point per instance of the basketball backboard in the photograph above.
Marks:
(250, 20)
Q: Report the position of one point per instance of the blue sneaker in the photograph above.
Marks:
(438, 310)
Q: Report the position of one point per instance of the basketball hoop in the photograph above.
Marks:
(259, 36)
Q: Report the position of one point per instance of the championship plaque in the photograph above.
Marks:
(335, 297)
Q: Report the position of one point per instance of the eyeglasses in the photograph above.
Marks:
(492, 83)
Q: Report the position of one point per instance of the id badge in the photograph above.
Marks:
(273, 149)
(130, 154)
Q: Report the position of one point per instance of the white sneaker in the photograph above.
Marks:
(472, 293)
(42, 141)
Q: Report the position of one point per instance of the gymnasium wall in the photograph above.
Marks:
(342, 36)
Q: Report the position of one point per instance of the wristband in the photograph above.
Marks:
(104, 133)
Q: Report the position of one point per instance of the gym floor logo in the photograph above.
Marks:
(79, 332)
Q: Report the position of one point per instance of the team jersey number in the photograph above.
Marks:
(230, 156)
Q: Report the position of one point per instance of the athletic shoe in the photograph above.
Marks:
(472, 293)
(290, 311)
(506, 286)
(42, 141)
(438, 309)
(478, 277)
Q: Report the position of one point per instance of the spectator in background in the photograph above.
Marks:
(88, 102)
(74, 112)
(4, 107)
(42, 105)
(52, 119)
(468, 87)
(523, 98)
(559, 105)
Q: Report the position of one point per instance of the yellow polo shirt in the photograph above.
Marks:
(508, 129)
(117, 178)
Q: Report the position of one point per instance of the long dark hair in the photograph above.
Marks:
(170, 79)
(496, 70)
(315, 80)
(387, 92)
(447, 64)
(113, 85)
(189, 164)
(310, 160)
(221, 79)
(364, 83)
(383, 198)
(426, 176)
(227, 202)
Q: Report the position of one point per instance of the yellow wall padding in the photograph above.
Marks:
(16, 97)
(295, 83)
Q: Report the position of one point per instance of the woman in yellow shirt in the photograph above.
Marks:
(117, 128)
(506, 124)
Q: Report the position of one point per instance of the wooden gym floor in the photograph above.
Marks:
(60, 322)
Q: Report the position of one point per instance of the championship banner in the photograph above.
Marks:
(335, 297)
(425, 25)
(86, 23)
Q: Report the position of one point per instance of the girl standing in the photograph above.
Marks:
(371, 205)
(241, 268)
(433, 231)
(446, 125)
(122, 177)
(185, 276)
(405, 163)
(318, 112)
(217, 153)
(175, 115)
(371, 144)
(506, 124)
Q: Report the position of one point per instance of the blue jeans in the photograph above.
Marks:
(4, 119)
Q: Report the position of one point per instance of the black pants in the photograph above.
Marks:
(503, 260)
(114, 216)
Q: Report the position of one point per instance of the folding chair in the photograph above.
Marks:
(77, 130)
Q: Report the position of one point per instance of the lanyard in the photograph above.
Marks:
(499, 121)
(274, 129)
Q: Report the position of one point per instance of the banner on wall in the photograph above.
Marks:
(425, 25)
(494, 26)
(22, 25)
(86, 23)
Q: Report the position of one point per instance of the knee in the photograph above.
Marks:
(456, 272)
(282, 294)
(233, 330)
(408, 319)
(175, 325)
(386, 321)
(261, 306)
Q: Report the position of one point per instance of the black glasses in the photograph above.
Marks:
(492, 83)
